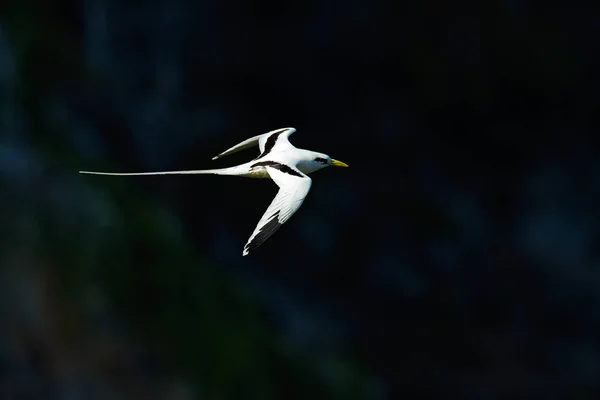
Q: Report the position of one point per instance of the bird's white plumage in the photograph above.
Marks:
(279, 160)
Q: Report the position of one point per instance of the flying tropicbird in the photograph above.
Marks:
(279, 160)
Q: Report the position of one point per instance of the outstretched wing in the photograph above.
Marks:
(293, 188)
(265, 142)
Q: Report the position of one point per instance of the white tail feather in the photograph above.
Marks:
(224, 171)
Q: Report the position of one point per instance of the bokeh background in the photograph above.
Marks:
(457, 257)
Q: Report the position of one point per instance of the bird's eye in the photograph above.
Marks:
(321, 160)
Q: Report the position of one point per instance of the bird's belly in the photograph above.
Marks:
(258, 173)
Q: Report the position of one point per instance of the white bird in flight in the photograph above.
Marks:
(279, 160)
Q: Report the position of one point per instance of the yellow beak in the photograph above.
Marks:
(336, 163)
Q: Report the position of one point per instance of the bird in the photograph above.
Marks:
(279, 160)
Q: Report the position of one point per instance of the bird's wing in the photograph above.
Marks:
(293, 188)
(264, 141)
(253, 141)
(279, 137)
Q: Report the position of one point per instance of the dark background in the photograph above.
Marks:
(457, 257)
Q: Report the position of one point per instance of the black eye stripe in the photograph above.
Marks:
(321, 160)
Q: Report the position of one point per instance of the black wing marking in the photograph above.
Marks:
(270, 143)
(279, 166)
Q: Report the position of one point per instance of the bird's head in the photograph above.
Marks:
(320, 160)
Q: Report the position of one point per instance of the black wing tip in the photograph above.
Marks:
(266, 231)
